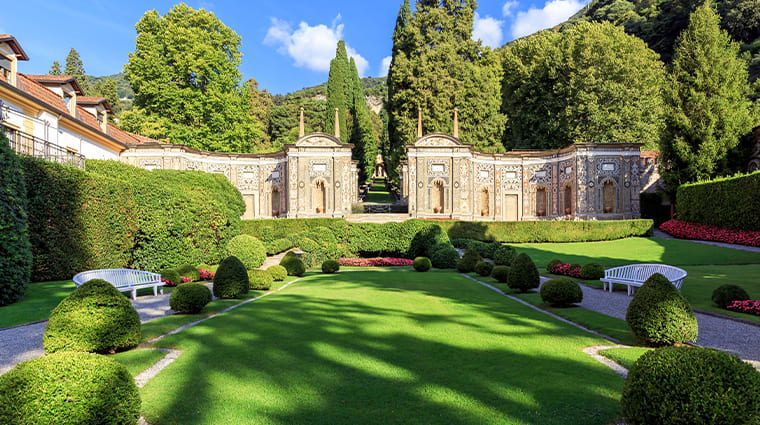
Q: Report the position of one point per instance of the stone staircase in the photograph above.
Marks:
(377, 218)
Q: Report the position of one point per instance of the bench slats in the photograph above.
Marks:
(123, 279)
(635, 275)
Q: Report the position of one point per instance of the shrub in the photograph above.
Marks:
(746, 306)
(307, 245)
(725, 294)
(483, 268)
(203, 266)
(561, 292)
(551, 264)
(445, 257)
(231, 279)
(691, 385)
(708, 232)
(429, 236)
(723, 202)
(504, 255)
(189, 271)
(206, 275)
(592, 271)
(485, 249)
(277, 272)
(260, 279)
(466, 264)
(172, 276)
(330, 266)
(190, 298)
(523, 274)
(95, 318)
(249, 250)
(293, 264)
(566, 269)
(69, 388)
(422, 264)
(461, 243)
(500, 273)
(16, 258)
(659, 315)
(546, 230)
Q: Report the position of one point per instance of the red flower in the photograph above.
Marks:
(205, 274)
(706, 232)
(566, 269)
(747, 306)
(374, 262)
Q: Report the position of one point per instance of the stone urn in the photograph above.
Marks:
(483, 213)
(568, 211)
(437, 210)
(319, 210)
(275, 213)
(607, 210)
(541, 213)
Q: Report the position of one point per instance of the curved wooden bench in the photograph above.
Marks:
(124, 279)
(635, 275)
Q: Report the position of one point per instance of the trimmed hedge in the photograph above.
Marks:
(260, 279)
(426, 239)
(560, 292)
(728, 293)
(96, 317)
(231, 279)
(278, 272)
(117, 216)
(485, 249)
(467, 263)
(504, 255)
(659, 315)
(15, 249)
(523, 274)
(189, 271)
(69, 388)
(189, 298)
(422, 264)
(550, 265)
(500, 273)
(293, 264)
(592, 271)
(724, 202)
(546, 231)
(172, 276)
(330, 266)
(444, 257)
(248, 249)
(691, 385)
(483, 268)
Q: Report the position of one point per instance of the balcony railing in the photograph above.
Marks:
(26, 144)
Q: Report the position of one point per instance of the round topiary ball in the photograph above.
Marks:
(592, 271)
(260, 280)
(189, 271)
(445, 257)
(659, 315)
(550, 265)
(504, 255)
(69, 388)
(293, 264)
(172, 276)
(466, 264)
(330, 266)
(483, 268)
(95, 318)
(561, 292)
(231, 279)
(691, 385)
(277, 272)
(724, 295)
(190, 298)
(523, 275)
(422, 264)
(500, 273)
(248, 249)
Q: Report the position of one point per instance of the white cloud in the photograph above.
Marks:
(384, 66)
(506, 10)
(311, 47)
(488, 30)
(553, 13)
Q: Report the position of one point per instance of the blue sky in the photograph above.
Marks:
(286, 44)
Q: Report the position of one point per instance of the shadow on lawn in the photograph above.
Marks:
(306, 356)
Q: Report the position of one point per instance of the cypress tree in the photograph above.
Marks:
(55, 69)
(337, 93)
(363, 135)
(396, 83)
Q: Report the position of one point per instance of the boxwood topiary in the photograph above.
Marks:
(190, 298)
(445, 257)
(422, 264)
(231, 279)
(466, 264)
(659, 315)
(172, 276)
(203, 266)
(95, 318)
(293, 264)
(561, 292)
(483, 268)
(260, 279)
(189, 271)
(500, 273)
(523, 274)
(429, 236)
(248, 249)
(550, 265)
(485, 249)
(691, 385)
(592, 271)
(330, 266)
(69, 388)
(725, 294)
(504, 255)
(277, 272)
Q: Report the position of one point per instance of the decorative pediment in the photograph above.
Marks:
(438, 140)
(318, 139)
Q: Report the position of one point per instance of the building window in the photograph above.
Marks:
(100, 118)
(541, 202)
(5, 68)
(67, 99)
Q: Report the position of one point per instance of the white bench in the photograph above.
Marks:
(124, 279)
(636, 274)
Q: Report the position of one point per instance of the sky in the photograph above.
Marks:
(286, 44)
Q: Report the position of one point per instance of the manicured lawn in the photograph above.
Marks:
(137, 361)
(702, 281)
(378, 193)
(625, 357)
(379, 348)
(39, 300)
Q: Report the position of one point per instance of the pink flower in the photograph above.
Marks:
(747, 306)
(205, 274)
(706, 232)
(374, 262)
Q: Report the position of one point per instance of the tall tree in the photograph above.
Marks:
(706, 98)
(75, 68)
(363, 134)
(107, 88)
(261, 104)
(55, 69)
(337, 93)
(396, 81)
(184, 72)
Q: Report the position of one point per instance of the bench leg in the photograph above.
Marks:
(155, 291)
(134, 294)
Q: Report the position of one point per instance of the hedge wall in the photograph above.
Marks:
(546, 231)
(726, 202)
(113, 215)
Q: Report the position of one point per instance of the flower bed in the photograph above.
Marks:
(567, 269)
(168, 283)
(706, 232)
(374, 262)
(748, 306)
(205, 274)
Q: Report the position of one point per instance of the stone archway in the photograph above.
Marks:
(438, 196)
(609, 197)
(319, 196)
(567, 199)
(541, 202)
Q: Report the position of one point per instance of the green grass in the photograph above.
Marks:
(381, 348)
(702, 281)
(38, 301)
(625, 357)
(378, 193)
(137, 361)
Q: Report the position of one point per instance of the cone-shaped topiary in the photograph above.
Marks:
(659, 315)
(189, 271)
(96, 318)
(330, 266)
(69, 388)
(260, 279)
(466, 264)
(691, 385)
(231, 279)
(725, 294)
(293, 264)
(248, 249)
(445, 257)
(278, 272)
(504, 255)
(561, 292)
(523, 274)
(189, 298)
(422, 264)
(483, 268)
(500, 273)
(592, 271)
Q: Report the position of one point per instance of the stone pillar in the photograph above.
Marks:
(456, 122)
(419, 122)
(300, 125)
(337, 123)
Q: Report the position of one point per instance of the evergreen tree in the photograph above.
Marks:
(261, 107)
(55, 69)
(706, 98)
(107, 88)
(337, 95)
(75, 68)
(396, 82)
(363, 135)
